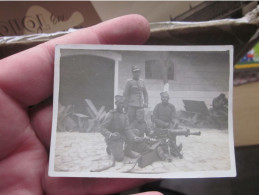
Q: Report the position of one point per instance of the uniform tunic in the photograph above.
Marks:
(140, 128)
(137, 130)
(115, 123)
(219, 104)
(135, 93)
(136, 97)
(163, 117)
(164, 114)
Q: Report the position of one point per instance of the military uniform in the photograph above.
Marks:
(114, 129)
(219, 111)
(163, 118)
(135, 136)
(163, 115)
(219, 104)
(136, 97)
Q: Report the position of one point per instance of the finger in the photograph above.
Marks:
(13, 125)
(28, 76)
(149, 193)
(21, 171)
(41, 118)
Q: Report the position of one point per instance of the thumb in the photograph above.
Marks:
(149, 193)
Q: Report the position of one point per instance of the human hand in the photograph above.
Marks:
(145, 105)
(166, 125)
(115, 136)
(150, 140)
(27, 79)
(138, 139)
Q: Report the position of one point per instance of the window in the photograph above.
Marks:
(159, 69)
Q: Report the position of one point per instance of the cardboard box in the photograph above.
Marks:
(29, 17)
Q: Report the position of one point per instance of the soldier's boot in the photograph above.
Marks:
(161, 154)
(117, 151)
(131, 154)
(118, 157)
(179, 149)
(108, 150)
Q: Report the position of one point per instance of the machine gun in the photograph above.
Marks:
(167, 138)
(185, 132)
(163, 141)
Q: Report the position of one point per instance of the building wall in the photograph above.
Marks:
(197, 75)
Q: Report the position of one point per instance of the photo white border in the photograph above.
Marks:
(192, 174)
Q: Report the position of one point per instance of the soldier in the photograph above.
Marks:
(138, 140)
(138, 132)
(114, 129)
(219, 111)
(164, 119)
(220, 104)
(164, 113)
(135, 94)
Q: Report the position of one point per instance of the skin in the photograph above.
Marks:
(120, 106)
(165, 99)
(136, 75)
(26, 79)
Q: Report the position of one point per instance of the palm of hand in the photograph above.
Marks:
(27, 79)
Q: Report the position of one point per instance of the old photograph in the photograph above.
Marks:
(142, 112)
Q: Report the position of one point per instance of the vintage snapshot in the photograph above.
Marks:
(142, 112)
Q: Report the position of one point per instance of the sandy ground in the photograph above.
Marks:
(84, 152)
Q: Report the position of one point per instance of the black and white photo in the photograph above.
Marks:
(142, 112)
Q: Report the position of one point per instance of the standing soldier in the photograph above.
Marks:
(135, 94)
(114, 129)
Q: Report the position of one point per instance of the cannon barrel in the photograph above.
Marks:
(185, 132)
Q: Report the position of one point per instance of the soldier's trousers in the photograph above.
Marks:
(131, 112)
(138, 147)
(116, 148)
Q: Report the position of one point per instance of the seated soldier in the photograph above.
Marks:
(164, 116)
(220, 104)
(114, 128)
(137, 133)
(164, 113)
(219, 111)
(138, 140)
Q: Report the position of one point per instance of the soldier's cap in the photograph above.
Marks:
(135, 68)
(164, 94)
(222, 95)
(119, 98)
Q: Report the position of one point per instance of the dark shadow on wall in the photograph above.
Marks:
(86, 76)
